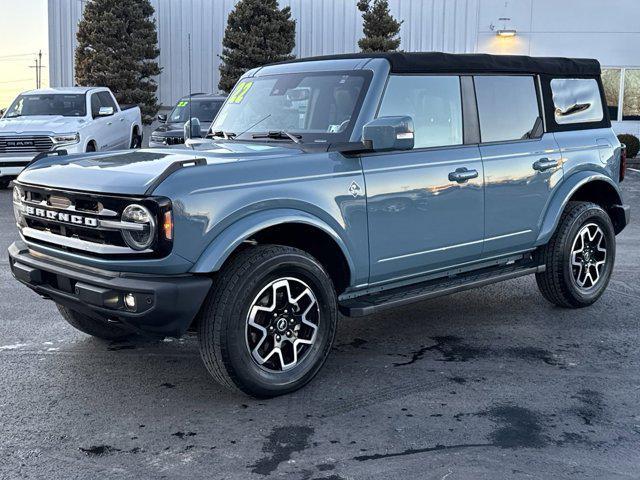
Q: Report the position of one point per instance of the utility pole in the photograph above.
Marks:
(38, 67)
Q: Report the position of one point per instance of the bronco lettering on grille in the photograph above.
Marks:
(61, 216)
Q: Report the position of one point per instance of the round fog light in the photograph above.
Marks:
(130, 300)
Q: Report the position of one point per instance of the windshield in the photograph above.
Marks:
(202, 109)
(67, 105)
(317, 106)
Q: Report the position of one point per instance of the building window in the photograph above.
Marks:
(434, 103)
(507, 107)
(611, 81)
(576, 100)
(631, 103)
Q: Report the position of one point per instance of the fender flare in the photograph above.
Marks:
(559, 201)
(223, 245)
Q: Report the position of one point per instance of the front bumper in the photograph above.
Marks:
(165, 305)
(11, 166)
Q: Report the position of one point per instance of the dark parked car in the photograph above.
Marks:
(203, 106)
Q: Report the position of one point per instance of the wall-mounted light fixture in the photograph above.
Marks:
(505, 31)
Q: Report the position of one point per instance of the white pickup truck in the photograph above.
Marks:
(77, 119)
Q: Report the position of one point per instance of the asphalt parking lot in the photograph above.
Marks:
(487, 384)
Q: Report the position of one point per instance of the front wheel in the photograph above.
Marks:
(579, 258)
(269, 321)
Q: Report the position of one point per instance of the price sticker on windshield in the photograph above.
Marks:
(183, 103)
(239, 92)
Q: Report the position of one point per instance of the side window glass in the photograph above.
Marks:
(106, 100)
(611, 84)
(95, 105)
(433, 102)
(631, 107)
(507, 107)
(576, 100)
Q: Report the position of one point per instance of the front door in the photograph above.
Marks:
(521, 173)
(425, 206)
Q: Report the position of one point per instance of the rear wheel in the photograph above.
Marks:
(579, 258)
(269, 321)
(136, 140)
(91, 326)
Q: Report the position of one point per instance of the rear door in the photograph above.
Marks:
(521, 174)
(420, 217)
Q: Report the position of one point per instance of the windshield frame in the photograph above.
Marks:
(14, 104)
(309, 138)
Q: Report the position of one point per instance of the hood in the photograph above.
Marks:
(40, 125)
(133, 172)
(169, 129)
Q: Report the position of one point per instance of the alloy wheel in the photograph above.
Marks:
(282, 324)
(588, 256)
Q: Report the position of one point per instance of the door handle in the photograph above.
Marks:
(109, 123)
(122, 119)
(544, 164)
(462, 175)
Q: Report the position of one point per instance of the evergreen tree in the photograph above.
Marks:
(118, 48)
(257, 33)
(379, 27)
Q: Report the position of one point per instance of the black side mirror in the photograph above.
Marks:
(162, 117)
(389, 133)
(192, 129)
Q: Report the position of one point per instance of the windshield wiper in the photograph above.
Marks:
(225, 135)
(279, 134)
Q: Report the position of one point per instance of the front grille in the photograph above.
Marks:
(82, 222)
(25, 144)
(175, 140)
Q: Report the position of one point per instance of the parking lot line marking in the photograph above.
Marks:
(633, 169)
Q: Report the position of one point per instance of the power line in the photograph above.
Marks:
(20, 55)
(17, 81)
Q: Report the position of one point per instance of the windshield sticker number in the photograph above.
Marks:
(240, 91)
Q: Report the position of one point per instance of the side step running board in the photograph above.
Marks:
(376, 302)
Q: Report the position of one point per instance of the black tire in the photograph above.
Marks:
(93, 327)
(224, 334)
(4, 182)
(136, 140)
(558, 282)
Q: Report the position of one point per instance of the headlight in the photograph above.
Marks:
(139, 239)
(17, 205)
(66, 139)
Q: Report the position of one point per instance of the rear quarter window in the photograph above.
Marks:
(576, 100)
(507, 107)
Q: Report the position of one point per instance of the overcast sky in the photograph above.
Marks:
(23, 31)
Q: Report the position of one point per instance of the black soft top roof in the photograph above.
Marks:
(437, 62)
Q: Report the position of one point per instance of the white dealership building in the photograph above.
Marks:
(608, 30)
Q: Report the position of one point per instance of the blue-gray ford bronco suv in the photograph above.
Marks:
(352, 184)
